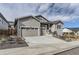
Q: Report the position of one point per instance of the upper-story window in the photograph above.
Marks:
(58, 26)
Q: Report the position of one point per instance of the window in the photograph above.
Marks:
(58, 26)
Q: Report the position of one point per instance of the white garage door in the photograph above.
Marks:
(29, 32)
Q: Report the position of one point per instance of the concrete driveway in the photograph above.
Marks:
(45, 46)
(31, 41)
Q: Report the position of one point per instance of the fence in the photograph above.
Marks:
(8, 32)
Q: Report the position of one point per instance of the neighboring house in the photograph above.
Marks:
(36, 26)
(11, 28)
(4, 24)
(11, 24)
(75, 30)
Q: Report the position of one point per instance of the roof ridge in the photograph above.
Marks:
(1, 15)
(24, 16)
(42, 17)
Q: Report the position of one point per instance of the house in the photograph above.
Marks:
(37, 26)
(4, 25)
(71, 31)
(75, 30)
(71, 34)
(11, 23)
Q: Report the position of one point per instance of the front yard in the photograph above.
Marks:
(10, 42)
(43, 45)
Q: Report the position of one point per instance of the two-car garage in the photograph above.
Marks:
(29, 31)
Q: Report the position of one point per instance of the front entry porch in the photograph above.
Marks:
(46, 29)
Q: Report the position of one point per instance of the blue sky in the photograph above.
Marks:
(67, 12)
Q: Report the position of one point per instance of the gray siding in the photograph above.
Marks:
(3, 24)
(54, 28)
(30, 22)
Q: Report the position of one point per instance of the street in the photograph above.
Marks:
(74, 51)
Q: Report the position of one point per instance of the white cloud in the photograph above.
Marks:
(60, 17)
(43, 7)
(64, 12)
(63, 18)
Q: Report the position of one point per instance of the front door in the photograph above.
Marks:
(44, 30)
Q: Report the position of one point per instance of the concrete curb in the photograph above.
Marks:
(59, 51)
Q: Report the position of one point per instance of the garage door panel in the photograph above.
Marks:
(29, 32)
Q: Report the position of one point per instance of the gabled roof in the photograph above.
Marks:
(4, 19)
(21, 18)
(53, 22)
(38, 18)
(57, 21)
(41, 18)
(67, 30)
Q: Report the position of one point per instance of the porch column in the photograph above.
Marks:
(48, 25)
(49, 28)
(38, 31)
